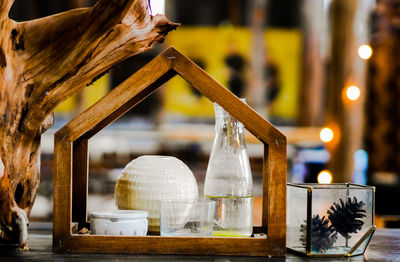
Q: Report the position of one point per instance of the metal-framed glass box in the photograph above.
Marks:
(330, 219)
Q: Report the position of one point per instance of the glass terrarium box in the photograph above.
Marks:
(330, 219)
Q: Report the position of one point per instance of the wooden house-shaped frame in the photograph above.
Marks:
(71, 169)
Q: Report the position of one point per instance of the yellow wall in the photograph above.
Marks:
(284, 49)
(90, 95)
(212, 44)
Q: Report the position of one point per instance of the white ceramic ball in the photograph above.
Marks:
(148, 179)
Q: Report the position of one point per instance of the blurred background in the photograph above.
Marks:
(325, 72)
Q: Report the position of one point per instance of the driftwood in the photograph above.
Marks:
(45, 61)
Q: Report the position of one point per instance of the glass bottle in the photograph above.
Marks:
(228, 178)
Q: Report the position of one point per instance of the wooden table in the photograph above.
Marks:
(384, 246)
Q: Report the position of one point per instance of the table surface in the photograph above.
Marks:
(384, 246)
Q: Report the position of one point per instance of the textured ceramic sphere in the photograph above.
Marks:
(148, 179)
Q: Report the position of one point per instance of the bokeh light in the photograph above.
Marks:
(365, 52)
(353, 93)
(324, 177)
(326, 134)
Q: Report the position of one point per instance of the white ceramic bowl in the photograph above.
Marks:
(119, 223)
(148, 179)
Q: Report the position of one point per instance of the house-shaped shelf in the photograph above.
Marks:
(71, 169)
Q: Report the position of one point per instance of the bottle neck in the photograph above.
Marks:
(229, 131)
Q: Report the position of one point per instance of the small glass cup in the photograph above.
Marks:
(186, 218)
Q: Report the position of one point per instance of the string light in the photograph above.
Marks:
(365, 52)
(326, 134)
(353, 93)
(324, 177)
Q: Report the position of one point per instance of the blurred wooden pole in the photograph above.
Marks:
(257, 94)
(383, 136)
(313, 26)
(79, 3)
(338, 116)
(234, 12)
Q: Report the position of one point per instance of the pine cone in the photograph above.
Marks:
(346, 217)
(322, 236)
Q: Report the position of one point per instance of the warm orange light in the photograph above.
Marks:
(324, 177)
(365, 52)
(353, 93)
(326, 134)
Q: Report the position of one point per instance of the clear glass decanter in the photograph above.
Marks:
(228, 178)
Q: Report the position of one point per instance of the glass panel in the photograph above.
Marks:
(361, 249)
(296, 218)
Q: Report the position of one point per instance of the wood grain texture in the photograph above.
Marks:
(42, 63)
(136, 88)
(62, 190)
(276, 191)
(174, 245)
